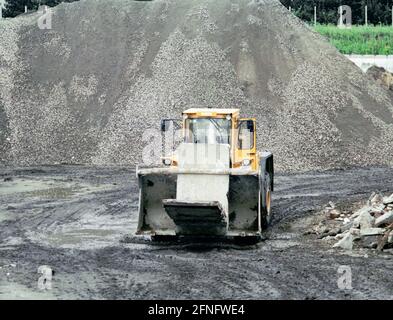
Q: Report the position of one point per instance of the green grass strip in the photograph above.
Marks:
(374, 40)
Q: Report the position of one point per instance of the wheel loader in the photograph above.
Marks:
(215, 183)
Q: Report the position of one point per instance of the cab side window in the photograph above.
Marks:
(246, 135)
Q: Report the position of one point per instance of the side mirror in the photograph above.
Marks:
(165, 125)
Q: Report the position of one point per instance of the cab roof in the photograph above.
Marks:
(212, 111)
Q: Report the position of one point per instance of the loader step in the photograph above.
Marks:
(197, 218)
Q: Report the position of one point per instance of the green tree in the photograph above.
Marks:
(16, 7)
(379, 11)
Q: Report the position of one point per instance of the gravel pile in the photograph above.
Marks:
(87, 90)
(369, 227)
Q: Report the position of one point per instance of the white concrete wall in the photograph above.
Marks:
(366, 61)
(199, 187)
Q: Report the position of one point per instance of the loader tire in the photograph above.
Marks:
(247, 241)
(266, 210)
(161, 239)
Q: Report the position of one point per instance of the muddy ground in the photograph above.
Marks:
(80, 222)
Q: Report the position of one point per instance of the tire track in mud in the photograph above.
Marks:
(285, 265)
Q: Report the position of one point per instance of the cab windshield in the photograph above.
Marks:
(208, 130)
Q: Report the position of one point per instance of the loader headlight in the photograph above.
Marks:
(246, 162)
(167, 162)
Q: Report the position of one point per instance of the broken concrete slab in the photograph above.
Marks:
(371, 232)
(345, 243)
(387, 218)
(361, 211)
(376, 199)
(377, 209)
(388, 200)
(355, 232)
(366, 220)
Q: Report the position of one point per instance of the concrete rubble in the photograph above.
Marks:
(371, 226)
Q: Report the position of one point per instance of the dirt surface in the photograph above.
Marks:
(92, 89)
(80, 222)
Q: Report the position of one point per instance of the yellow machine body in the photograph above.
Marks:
(214, 184)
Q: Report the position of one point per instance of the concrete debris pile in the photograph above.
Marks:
(369, 227)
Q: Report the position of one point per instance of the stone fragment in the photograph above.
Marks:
(388, 200)
(371, 232)
(366, 220)
(345, 243)
(361, 211)
(377, 209)
(386, 218)
(376, 200)
(333, 214)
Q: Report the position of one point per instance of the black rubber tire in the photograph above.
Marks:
(266, 209)
(164, 238)
(247, 241)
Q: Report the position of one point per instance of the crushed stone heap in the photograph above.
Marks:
(86, 90)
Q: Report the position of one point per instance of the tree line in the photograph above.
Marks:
(379, 11)
(12, 8)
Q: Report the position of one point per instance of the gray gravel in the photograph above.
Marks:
(86, 91)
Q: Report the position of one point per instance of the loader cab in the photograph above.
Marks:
(213, 183)
(223, 126)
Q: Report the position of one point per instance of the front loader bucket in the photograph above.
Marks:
(161, 213)
(202, 196)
